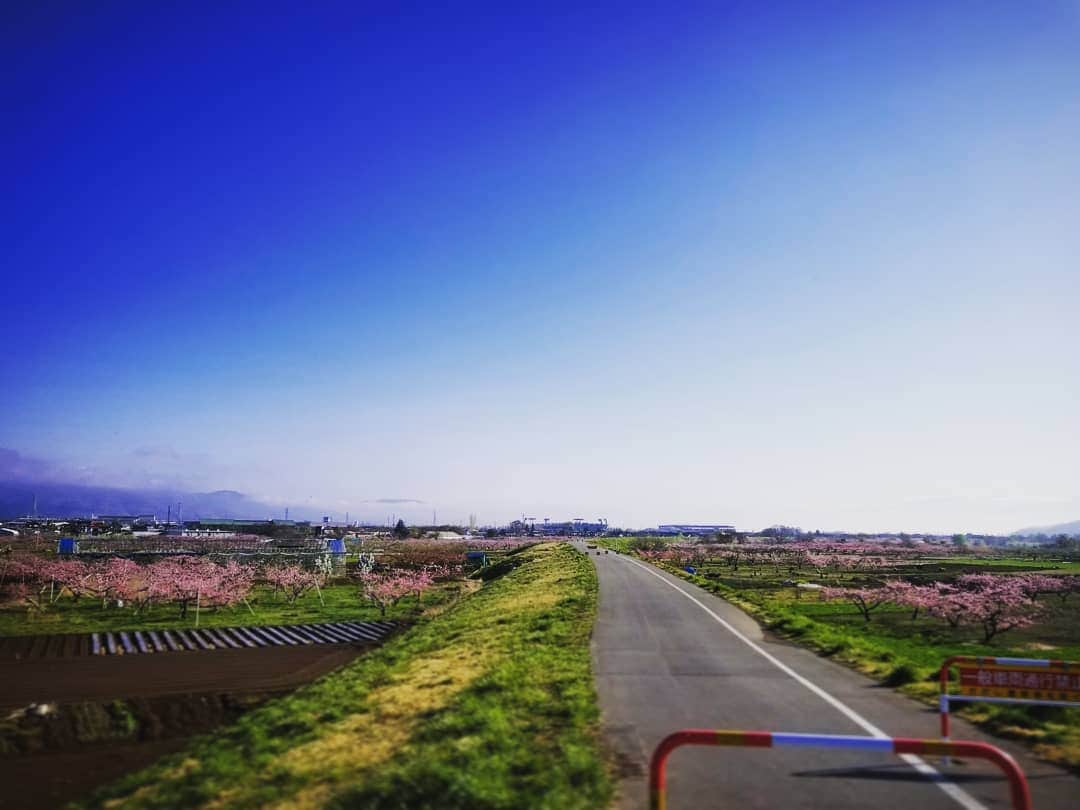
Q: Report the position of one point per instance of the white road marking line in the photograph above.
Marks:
(952, 790)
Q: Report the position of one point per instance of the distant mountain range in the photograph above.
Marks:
(1070, 528)
(77, 500)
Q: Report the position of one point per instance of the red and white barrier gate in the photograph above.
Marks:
(1038, 681)
(1018, 786)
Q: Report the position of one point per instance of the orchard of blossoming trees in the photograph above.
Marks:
(870, 576)
(995, 603)
(387, 575)
(39, 582)
(822, 559)
(412, 567)
(184, 581)
(386, 588)
(171, 544)
(293, 581)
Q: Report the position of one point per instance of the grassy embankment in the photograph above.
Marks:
(906, 654)
(339, 603)
(489, 703)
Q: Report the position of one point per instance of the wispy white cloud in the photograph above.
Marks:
(990, 497)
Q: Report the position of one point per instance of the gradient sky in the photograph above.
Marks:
(816, 264)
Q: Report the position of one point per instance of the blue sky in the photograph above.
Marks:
(813, 264)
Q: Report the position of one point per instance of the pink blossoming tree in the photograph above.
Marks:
(386, 588)
(293, 581)
(184, 581)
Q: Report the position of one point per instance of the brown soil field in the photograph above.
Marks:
(49, 779)
(92, 678)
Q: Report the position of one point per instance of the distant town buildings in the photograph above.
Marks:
(578, 527)
(695, 529)
(147, 525)
(129, 522)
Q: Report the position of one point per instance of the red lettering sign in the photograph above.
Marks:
(1029, 683)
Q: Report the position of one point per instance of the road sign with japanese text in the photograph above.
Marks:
(1058, 681)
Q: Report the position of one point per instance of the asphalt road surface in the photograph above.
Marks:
(668, 655)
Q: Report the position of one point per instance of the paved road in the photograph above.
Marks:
(664, 661)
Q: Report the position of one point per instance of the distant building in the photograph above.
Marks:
(696, 529)
(232, 523)
(577, 527)
(129, 521)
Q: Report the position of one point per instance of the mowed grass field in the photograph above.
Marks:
(340, 602)
(487, 703)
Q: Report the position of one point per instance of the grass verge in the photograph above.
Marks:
(488, 704)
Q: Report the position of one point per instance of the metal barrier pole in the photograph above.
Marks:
(943, 700)
(694, 736)
(1018, 786)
